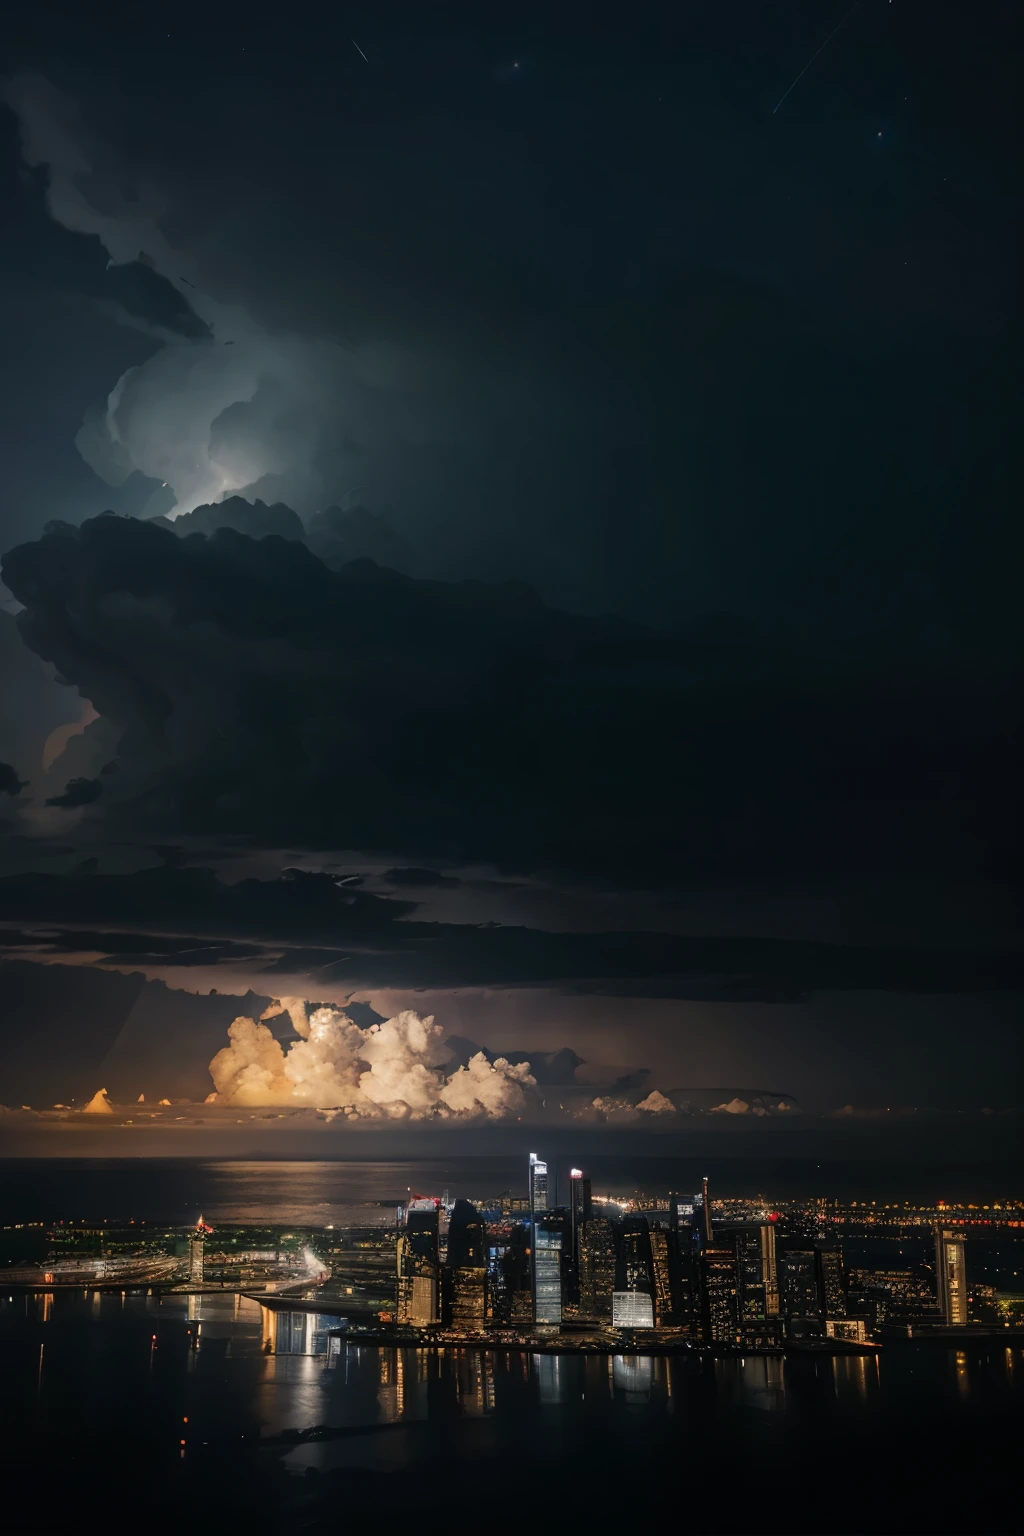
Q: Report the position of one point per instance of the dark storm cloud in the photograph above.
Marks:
(78, 792)
(10, 784)
(303, 925)
(425, 879)
(251, 691)
(557, 371)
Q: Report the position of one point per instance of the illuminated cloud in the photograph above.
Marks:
(99, 1104)
(391, 1070)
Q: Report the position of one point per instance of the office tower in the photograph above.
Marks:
(547, 1272)
(832, 1279)
(664, 1289)
(580, 1208)
(812, 1285)
(538, 1186)
(417, 1259)
(498, 1291)
(632, 1309)
(720, 1323)
(422, 1227)
(633, 1297)
(680, 1210)
(597, 1269)
(757, 1288)
(799, 1293)
(705, 1202)
(950, 1275)
(466, 1268)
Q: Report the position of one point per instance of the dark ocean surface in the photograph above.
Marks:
(114, 1415)
(157, 1189)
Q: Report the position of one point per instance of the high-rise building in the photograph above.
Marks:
(597, 1269)
(466, 1269)
(538, 1185)
(417, 1258)
(664, 1290)
(800, 1296)
(633, 1297)
(832, 1272)
(580, 1209)
(547, 1272)
(757, 1288)
(632, 1309)
(812, 1285)
(422, 1227)
(720, 1322)
(950, 1275)
(197, 1252)
(545, 1251)
(680, 1210)
(705, 1207)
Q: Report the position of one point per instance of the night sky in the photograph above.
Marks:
(564, 572)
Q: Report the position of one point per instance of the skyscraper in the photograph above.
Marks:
(538, 1186)
(757, 1289)
(664, 1290)
(633, 1297)
(547, 1273)
(580, 1206)
(466, 1269)
(418, 1266)
(197, 1251)
(720, 1322)
(545, 1251)
(812, 1285)
(950, 1275)
(832, 1280)
(597, 1269)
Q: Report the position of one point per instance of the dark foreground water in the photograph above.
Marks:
(99, 1392)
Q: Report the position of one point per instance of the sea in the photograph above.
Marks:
(167, 1413)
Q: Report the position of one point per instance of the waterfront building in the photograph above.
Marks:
(720, 1322)
(197, 1252)
(632, 1309)
(580, 1210)
(812, 1286)
(597, 1269)
(833, 1279)
(664, 1290)
(757, 1288)
(466, 1271)
(546, 1242)
(418, 1265)
(950, 1275)
(633, 1297)
(547, 1272)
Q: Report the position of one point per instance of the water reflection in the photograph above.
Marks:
(752, 1381)
(632, 1375)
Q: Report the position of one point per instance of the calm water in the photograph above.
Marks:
(99, 1391)
(158, 1189)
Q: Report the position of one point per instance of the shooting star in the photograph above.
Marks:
(811, 60)
(358, 50)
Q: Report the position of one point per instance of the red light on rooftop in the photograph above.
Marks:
(773, 1215)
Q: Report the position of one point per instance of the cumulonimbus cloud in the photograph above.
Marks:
(391, 1070)
(229, 402)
